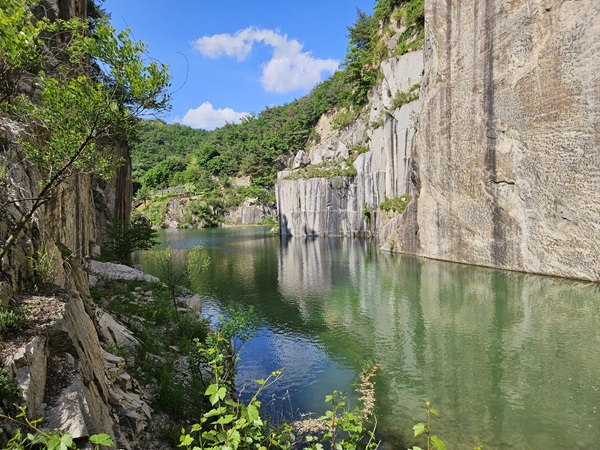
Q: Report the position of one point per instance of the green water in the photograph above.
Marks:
(510, 360)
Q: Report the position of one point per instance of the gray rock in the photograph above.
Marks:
(28, 367)
(335, 207)
(118, 272)
(191, 301)
(114, 333)
(300, 160)
(248, 213)
(507, 157)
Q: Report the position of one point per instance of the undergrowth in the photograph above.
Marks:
(12, 319)
(396, 204)
(166, 337)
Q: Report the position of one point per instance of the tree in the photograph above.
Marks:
(360, 70)
(127, 238)
(161, 175)
(143, 194)
(93, 84)
(178, 269)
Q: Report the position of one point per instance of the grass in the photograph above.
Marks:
(402, 98)
(344, 118)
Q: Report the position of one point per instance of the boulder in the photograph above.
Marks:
(117, 272)
(114, 334)
(300, 160)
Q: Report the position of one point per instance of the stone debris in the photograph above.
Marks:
(300, 160)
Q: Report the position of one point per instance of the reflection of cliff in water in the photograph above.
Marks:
(511, 360)
(497, 349)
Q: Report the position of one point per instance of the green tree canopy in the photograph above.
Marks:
(93, 84)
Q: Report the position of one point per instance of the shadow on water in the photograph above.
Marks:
(510, 360)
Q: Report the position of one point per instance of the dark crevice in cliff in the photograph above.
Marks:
(498, 246)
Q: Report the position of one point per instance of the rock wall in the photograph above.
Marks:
(179, 213)
(337, 205)
(507, 156)
(248, 213)
(64, 373)
(504, 170)
(67, 377)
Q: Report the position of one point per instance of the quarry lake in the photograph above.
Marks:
(509, 360)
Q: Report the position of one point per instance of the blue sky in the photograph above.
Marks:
(232, 57)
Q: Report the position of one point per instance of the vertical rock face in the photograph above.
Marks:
(380, 141)
(507, 163)
(63, 370)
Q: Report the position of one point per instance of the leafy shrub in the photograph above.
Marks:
(177, 269)
(397, 204)
(37, 438)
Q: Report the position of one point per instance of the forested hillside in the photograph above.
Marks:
(205, 163)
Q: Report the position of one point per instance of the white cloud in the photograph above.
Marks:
(289, 68)
(207, 117)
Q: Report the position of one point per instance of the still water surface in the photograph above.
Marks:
(511, 361)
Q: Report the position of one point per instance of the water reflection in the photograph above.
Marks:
(510, 360)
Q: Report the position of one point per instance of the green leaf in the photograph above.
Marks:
(215, 393)
(185, 441)
(438, 443)
(434, 411)
(101, 439)
(60, 442)
(419, 428)
(261, 381)
(215, 412)
(253, 413)
(225, 419)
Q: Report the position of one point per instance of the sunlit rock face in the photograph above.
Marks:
(507, 156)
(504, 170)
(377, 144)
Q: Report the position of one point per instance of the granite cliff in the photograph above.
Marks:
(63, 371)
(504, 168)
(377, 145)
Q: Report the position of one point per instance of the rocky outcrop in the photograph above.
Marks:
(378, 145)
(504, 170)
(68, 227)
(181, 212)
(507, 157)
(61, 367)
(115, 271)
(248, 213)
(67, 378)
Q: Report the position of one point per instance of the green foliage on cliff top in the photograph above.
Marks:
(396, 204)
